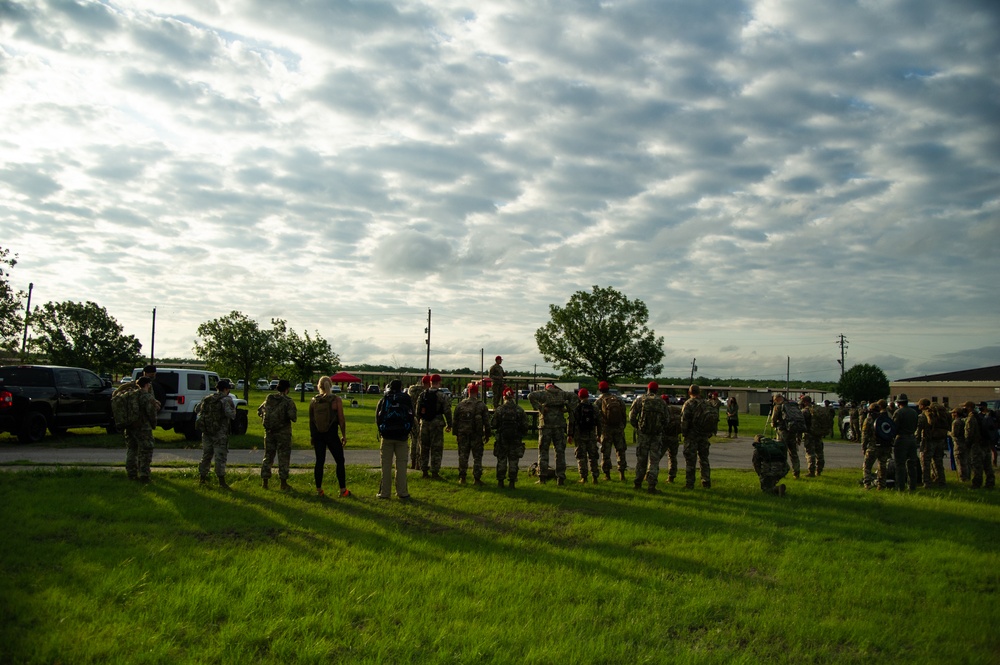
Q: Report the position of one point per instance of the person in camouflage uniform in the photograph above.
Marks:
(471, 424)
(980, 457)
(960, 447)
(414, 392)
(904, 449)
(770, 461)
(855, 414)
(933, 425)
(552, 405)
(671, 438)
(648, 416)
(278, 413)
(584, 436)
(498, 378)
(779, 422)
(813, 440)
(510, 424)
(697, 430)
(611, 421)
(216, 413)
(874, 450)
(139, 435)
(432, 429)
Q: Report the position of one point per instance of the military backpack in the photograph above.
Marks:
(585, 417)
(613, 412)
(211, 414)
(274, 414)
(673, 426)
(125, 405)
(706, 418)
(393, 416)
(467, 418)
(509, 424)
(822, 421)
(650, 421)
(795, 422)
(428, 407)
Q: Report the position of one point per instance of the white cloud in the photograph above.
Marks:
(764, 175)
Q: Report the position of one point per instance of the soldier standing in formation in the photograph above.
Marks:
(471, 424)
(779, 421)
(648, 417)
(414, 392)
(434, 415)
(497, 377)
(696, 425)
(960, 447)
(904, 450)
(980, 457)
(611, 421)
(671, 438)
(139, 435)
(933, 425)
(278, 412)
(583, 433)
(874, 449)
(552, 404)
(510, 423)
(813, 436)
(216, 413)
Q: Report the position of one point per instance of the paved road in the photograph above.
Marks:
(728, 454)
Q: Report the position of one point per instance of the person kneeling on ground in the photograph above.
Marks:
(770, 461)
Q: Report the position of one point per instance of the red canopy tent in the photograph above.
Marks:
(344, 377)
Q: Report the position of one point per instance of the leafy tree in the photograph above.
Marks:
(863, 383)
(236, 345)
(307, 356)
(601, 334)
(11, 323)
(83, 335)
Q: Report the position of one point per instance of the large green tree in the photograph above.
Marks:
(83, 335)
(863, 383)
(235, 345)
(11, 323)
(602, 334)
(306, 356)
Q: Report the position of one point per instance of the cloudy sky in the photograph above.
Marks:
(765, 176)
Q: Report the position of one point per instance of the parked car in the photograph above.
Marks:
(308, 387)
(263, 384)
(373, 389)
(184, 390)
(273, 385)
(241, 384)
(34, 398)
(336, 388)
(356, 388)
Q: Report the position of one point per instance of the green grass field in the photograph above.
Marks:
(98, 569)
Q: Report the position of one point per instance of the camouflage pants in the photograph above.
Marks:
(962, 461)
(586, 450)
(277, 442)
(497, 395)
(216, 446)
(932, 460)
(981, 461)
(814, 453)
(792, 445)
(555, 437)
(431, 445)
(508, 455)
(647, 458)
(468, 443)
(696, 452)
(138, 452)
(904, 453)
(769, 472)
(873, 454)
(669, 447)
(613, 439)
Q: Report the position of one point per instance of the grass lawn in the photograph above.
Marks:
(99, 569)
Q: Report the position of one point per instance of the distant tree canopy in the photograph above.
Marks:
(601, 334)
(83, 335)
(11, 323)
(235, 345)
(863, 383)
(306, 356)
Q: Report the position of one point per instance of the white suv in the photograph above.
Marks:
(182, 390)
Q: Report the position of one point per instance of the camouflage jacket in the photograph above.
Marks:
(552, 405)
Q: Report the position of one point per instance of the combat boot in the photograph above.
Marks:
(263, 483)
(595, 478)
(652, 490)
(621, 476)
(284, 485)
(781, 489)
(670, 479)
(607, 475)
(560, 481)
(204, 480)
(500, 483)
(511, 483)
(478, 481)
(461, 479)
(689, 480)
(425, 474)
(637, 484)
(540, 481)
(436, 476)
(223, 484)
(583, 479)
(707, 484)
